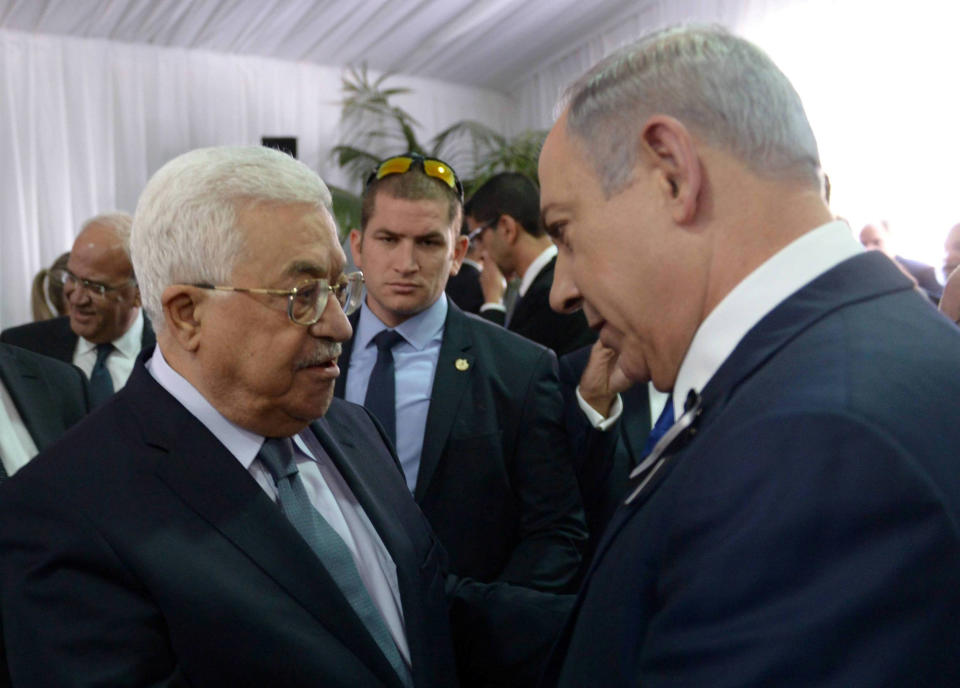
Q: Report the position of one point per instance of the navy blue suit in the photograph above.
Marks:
(806, 534)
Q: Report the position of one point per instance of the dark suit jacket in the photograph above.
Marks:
(137, 551)
(55, 339)
(926, 277)
(534, 319)
(495, 479)
(464, 289)
(602, 460)
(50, 396)
(806, 534)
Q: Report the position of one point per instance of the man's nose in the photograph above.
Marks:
(565, 297)
(333, 323)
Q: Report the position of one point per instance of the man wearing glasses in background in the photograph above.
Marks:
(223, 521)
(104, 328)
(474, 411)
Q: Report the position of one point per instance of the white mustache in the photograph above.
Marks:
(325, 352)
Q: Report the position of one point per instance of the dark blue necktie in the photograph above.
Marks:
(101, 386)
(381, 398)
(660, 427)
(277, 456)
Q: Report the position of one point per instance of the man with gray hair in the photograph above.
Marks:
(104, 328)
(796, 524)
(223, 521)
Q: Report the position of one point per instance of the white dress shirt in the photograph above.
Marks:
(328, 491)
(16, 445)
(794, 266)
(120, 361)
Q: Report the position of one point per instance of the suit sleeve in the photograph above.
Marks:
(852, 540)
(71, 614)
(551, 528)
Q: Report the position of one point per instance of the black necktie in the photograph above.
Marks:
(381, 399)
(277, 456)
(101, 386)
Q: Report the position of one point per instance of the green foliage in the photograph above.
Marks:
(346, 210)
(375, 128)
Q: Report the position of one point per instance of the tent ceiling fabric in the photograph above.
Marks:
(481, 43)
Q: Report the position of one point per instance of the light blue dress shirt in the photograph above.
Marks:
(415, 361)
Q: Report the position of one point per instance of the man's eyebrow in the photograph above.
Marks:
(305, 267)
(546, 210)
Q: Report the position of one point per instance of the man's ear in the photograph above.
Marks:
(510, 229)
(356, 247)
(182, 314)
(461, 245)
(668, 147)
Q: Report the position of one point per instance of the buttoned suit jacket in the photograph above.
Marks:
(50, 395)
(495, 478)
(804, 533)
(533, 318)
(55, 339)
(138, 551)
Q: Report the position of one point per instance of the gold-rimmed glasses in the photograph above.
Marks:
(307, 301)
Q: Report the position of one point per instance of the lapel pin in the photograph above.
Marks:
(461, 364)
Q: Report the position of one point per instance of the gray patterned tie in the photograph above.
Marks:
(277, 456)
(101, 386)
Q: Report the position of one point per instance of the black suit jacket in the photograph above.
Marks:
(50, 396)
(173, 567)
(534, 319)
(138, 551)
(602, 460)
(806, 534)
(495, 478)
(464, 289)
(55, 339)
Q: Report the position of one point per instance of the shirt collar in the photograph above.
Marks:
(538, 264)
(759, 293)
(129, 343)
(418, 330)
(243, 444)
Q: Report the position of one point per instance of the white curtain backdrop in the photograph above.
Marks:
(878, 81)
(84, 123)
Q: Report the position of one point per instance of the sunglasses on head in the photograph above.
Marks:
(432, 167)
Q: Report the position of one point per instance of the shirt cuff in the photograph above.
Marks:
(490, 306)
(596, 420)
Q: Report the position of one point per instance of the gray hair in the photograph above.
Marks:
(724, 89)
(119, 221)
(185, 225)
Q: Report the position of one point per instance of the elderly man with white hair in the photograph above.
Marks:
(104, 329)
(222, 520)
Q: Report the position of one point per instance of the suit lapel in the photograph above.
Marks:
(865, 276)
(450, 380)
(363, 480)
(199, 469)
(544, 279)
(32, 397)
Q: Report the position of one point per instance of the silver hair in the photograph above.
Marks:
(185, 227)
(119, 221)
(724, 89)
